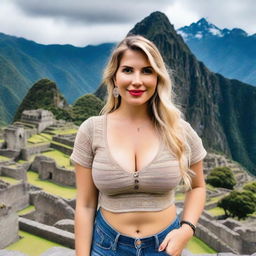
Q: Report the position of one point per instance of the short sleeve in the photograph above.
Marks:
(82, 152)
(197, 151)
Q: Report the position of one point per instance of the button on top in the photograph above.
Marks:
(135, 175)
(138, 242)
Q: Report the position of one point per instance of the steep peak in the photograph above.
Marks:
(201, 28)
(156, 23)
(43, 94)
(158, 29)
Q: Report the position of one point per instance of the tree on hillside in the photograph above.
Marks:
(238, 204)
(251, 187)
(221, 177)
(86, 106)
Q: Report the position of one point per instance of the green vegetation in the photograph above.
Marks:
(38, 138)
(64, 132)
(86, 106)
(216, 211)
(61, 159)
(250, 186)
(44, 94)
(28, 209)
(50, 187)
(238, 204)
(9, 180)
(221, 177)
(31, 245)
(4, 158)
(195, 245)
(61, 144)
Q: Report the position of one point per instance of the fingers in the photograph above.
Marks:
(164, 243)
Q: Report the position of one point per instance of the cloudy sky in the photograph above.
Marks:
(83, 22)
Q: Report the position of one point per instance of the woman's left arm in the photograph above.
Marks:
(177, 239)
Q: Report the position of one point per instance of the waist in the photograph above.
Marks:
(141, 223)
(102, 225)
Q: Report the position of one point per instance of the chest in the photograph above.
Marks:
(130, 147)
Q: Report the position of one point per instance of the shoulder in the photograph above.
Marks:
(187, 129)
(89, 122)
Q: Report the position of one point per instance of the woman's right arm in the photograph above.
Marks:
(86, 206)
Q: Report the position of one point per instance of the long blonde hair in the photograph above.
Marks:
(164, 114)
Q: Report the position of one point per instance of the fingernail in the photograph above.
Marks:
(160, 248)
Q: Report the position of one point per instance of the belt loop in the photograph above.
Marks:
(157, 242)
(115, 242)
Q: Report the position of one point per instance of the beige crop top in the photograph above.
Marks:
(150, 189)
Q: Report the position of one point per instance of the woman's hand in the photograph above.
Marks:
(176, 240)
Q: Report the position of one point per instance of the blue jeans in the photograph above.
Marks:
(107, 241)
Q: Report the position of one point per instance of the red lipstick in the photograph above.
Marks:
(136, 92)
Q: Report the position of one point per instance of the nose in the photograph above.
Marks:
(136, 79)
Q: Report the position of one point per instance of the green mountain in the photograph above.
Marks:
(45, 94)
(221, 110)
(77, 70)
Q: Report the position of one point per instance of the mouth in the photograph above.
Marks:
(136, 92)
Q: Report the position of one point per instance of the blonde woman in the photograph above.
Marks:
(130, 159)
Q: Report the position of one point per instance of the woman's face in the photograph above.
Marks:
(135, 78)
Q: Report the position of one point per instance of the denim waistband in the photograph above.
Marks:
(143, 242)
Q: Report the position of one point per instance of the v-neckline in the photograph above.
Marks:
(116, 162)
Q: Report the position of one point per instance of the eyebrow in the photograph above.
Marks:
(125, 66)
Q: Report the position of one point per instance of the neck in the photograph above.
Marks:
(135, 114)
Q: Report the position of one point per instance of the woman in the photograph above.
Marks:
(130, 159)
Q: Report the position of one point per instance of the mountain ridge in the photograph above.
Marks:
(229, 52)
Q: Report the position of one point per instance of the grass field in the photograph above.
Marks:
(4, 158)
(31, 245)
(50, 187)
(195, 245)
(9, 180)
(60, 158)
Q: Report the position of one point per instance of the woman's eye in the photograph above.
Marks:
(148, 71)
(127, 70)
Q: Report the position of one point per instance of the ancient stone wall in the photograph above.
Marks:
(47, 170)
(8, 226)
(65, 139)
(18, 173)
(50, 209)
(10, 153)
(238, 239)
(62, 148)
(35, 149)
(16, 195)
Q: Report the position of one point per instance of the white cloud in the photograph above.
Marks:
(223, 14)
(83, 22)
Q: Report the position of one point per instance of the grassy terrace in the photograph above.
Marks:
(50, 187)
(26, 210)
(4, 158)
(64, 132)
(216, 211)
(31, 245)
(195, 245)
(39, 138)
(9, 180)
(60, 158)
(61, 144)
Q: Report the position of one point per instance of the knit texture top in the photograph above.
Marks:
(150, 189)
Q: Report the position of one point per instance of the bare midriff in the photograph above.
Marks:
(140, 224)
